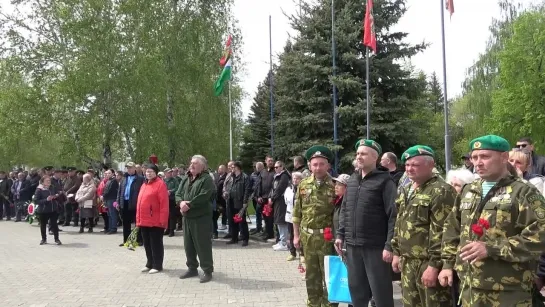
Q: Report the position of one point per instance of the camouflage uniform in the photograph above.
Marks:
(516, 213)
(417, 239)
(313, 211)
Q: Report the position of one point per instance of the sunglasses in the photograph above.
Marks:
(521, 145)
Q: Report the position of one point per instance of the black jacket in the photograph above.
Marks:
(111, 189)
(368, 210)
(265, 183)
(44, 205)
(240, 192)
(135, 189)
(219, 189)
(280, 184)
(5, 190)
(538, 165)
(396, 175)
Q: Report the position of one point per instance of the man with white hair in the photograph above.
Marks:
(195, 195)
(457, 178)
(423, 207)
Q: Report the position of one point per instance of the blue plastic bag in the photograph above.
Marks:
(336, 279)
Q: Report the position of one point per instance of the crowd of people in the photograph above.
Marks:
(477, 235)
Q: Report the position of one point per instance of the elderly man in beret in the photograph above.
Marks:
(423, 207)
(312, 216)
(366, 225)
(495, 232)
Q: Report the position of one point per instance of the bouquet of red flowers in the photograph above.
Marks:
(237, 219)
(328, 234)
(267, 209)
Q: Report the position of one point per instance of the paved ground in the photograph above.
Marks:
(91, 270)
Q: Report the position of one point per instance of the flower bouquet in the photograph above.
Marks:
(478, 230)
(31, 210)
(237, 219)
(267, 209)
(328, 234)
(131, 242)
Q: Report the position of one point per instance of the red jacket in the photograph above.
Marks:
(152, 206)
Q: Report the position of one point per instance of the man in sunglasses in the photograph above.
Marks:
(538, 162)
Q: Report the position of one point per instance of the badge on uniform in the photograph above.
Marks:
(537, 203)
(466, 205)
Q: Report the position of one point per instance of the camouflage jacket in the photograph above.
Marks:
(419, 226)
(516, 214)
(313, 206)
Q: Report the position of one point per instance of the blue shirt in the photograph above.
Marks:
(130, 180)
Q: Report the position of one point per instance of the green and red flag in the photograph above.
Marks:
(225, 62)
(369, 37)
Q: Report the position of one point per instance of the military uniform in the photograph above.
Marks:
(515, 212)
(313, 211)
(418, 235)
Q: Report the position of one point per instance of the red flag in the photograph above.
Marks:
(226, 53)
(369, 37)
(450, 7)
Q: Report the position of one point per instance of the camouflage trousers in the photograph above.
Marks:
(490, 298)
(315, 250)
(415, 294)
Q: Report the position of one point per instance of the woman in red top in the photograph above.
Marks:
(152, 218)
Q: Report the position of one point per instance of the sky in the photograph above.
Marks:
(466, 33)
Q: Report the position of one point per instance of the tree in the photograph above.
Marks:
(517, 108)
(257, 134)
(436, 97)
(118, 80)
(304, 81)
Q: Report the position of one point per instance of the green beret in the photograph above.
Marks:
(417, 150)
(369, 143)
(490, 142)
(319, 151)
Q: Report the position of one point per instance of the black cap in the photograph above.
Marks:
(464, 156)
(71, 168)
(48, 168)
(80, 172)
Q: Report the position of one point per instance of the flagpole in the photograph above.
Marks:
(230, 124)
(271, 85)
(445, 97)
(367, 98)
(333, 55)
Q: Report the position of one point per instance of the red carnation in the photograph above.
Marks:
(477, 229)
(328, 235)
(484, 223)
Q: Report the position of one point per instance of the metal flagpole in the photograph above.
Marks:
(368, 99)
(334, 86)
(445, 97)
(230, 124)
(271, 86)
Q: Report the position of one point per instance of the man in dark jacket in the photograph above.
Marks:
(172, 186)
(264, 187)
(538, 162)
(281, 182)
(254, 178)
(71, 187)
(220, 201)
(389, 161)
(237, 202)
(21, 191)
(109, 196)
(366, 224)
(5, 191)
(127, 197)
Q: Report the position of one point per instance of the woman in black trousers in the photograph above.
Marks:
(47, 208)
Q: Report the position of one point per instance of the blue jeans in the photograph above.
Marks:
(112, 215)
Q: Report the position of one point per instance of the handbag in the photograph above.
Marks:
(336, 280)
(88, 204)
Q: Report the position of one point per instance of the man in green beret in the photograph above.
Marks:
(366, 225)
(495, 233)
(312, 215)
(423, 206)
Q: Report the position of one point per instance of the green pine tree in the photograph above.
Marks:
(304, 81)
(435, 93)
